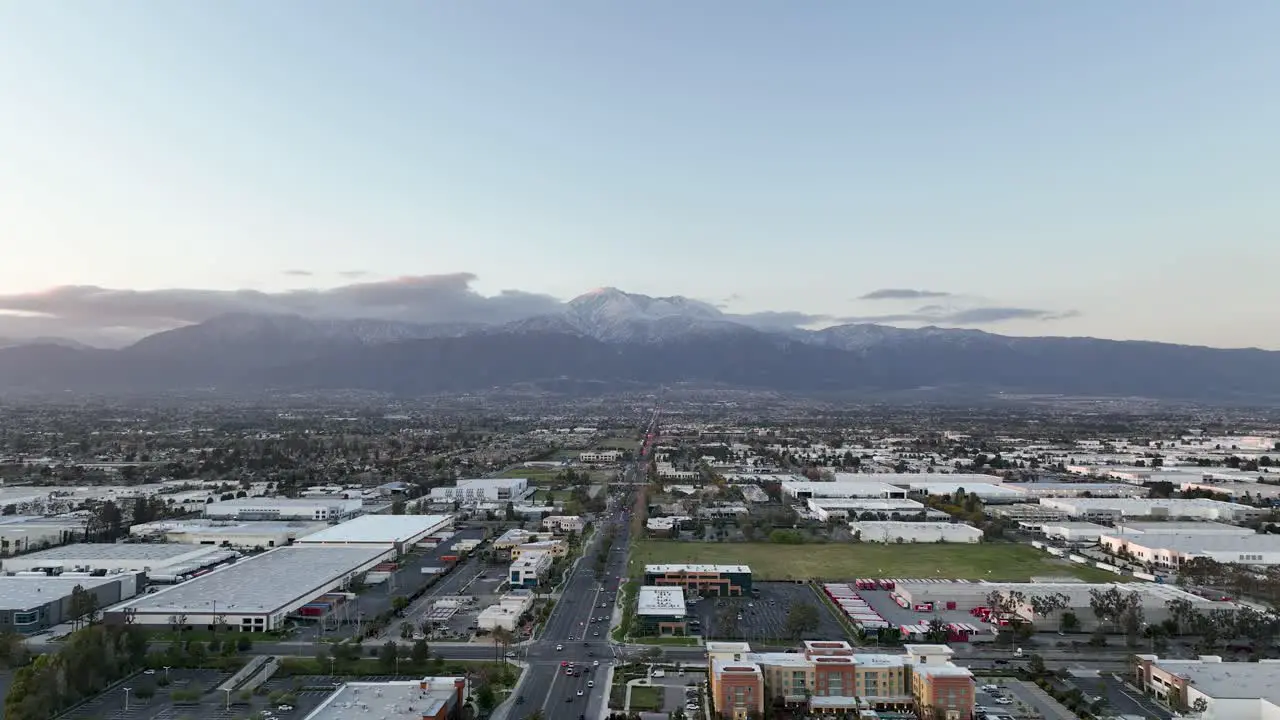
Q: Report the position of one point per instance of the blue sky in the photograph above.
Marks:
(1113, 165)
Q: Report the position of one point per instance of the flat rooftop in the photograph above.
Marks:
(1181, 526)
(666, 601)
(1242, 680)
(263, 583)
(1192, 543)
(278, 502)
(697, 568)
(398, 700)
(92, 552)
(386, 529)
(207, 526)
(24, 593)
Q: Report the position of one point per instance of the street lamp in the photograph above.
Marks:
(166, 673)
(126, 699)
(228, 692)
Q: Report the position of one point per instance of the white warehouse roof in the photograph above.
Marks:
(379, 529)
(663, 601)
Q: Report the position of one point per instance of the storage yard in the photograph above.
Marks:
(840, 562)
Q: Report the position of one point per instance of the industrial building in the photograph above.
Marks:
(717, 580)
(258, 593)
(830, 677)
(1171, 550)
(431, 698)
(1078, 532)
(1083, 489)
(241, 535)
(32, 604)
(481, 490)
(1181, 528)
(23, 533)
(965, 596)
(1226, 690)
(157, 560)
(400, 532)
(987, 492)
(661, 610)
(868, 488)
(315, 509)
(890, 531)
(824, 509)
(1114, 509)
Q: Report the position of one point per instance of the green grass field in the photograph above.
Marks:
(646, 698)
(847, 561)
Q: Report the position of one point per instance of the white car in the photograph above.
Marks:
(1003, 701)
(559, 647)
(595, 663)
(579, 693)
(591, 683)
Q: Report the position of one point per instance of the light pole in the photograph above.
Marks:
(228, 692)
(126, 699)
(166, 673)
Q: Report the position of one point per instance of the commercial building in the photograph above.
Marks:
(1176, 508)
(1083, 489)
(1074, 532)
(830, 677)
(506, 613)
(866, 488)
(717, 580)
(824, 509)
(964, 596)
(32, 604)
(554, 548)
(316, 509)
(400, 532)
(660, 610)
(1171, 550)
(563, 524)
(258, 593)
(889, 531)
(600, 456)
(241, 535)
(23, 533)
(529, 570)
(155, 559)
(480, 490)
(1225, 690)
(1027, 513)
(987, 492)
(431, 698)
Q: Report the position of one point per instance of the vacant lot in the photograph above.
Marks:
(836, 561)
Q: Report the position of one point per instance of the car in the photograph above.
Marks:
(595, 634)
(591, 683)
(284, 708)
(1003, 701)
(568, 671)
(148, 671)
(559, 647)
(595, 663)
(564, 663)
(511, 654)
(579, 693)
(569, 699)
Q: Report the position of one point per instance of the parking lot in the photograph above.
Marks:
(1122, 699)
(211, 706)
(882, 603)
(764, 618)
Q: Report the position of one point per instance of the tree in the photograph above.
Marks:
(802, 618)
(485, 699)
(1035, 665)
(388, 654)
(397, 507)
(1069, 622)
(1200, 705)
(420, 652)
(399, 603)
(406, 630)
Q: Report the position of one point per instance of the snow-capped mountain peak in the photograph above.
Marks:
(612, 315)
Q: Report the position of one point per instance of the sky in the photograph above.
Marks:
(1086, 168)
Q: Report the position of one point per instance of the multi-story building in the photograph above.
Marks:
(830, 677)
(554, 548)
(481, 490)
(661, 610)
(261, 508)
(529, 569)
(563, 524)
(600, 456)
(717, 580)
(1214, 689)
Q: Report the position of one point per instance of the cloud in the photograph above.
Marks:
(83, 311)
(352, 274)
(299, 273)
(938, 315)
(903, 294)
(784, 320)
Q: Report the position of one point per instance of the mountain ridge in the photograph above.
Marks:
(609, 339)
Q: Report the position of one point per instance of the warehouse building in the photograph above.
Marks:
(867, 488)
(258, 593)
(157, 560)
(1181, 528)
(31, 604)
(507, 612)
(241, 535)
(482, 490)
(987, 492)
(1098, 490)
(1171, 550)
(716, 580)
(315, 509)
(1074, 532)
(1115, 509)
(24, 533)
(965, 596)
(661, 610)
(399, 532)
(824, 509)
(914, 532)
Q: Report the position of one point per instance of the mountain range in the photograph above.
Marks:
(610, 340)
